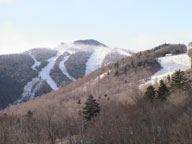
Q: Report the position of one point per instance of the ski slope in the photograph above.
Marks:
(96, 59)
(169, 65)
(98, 54)
(45, 72)
(31, 87)
(64, 69)
(36, 63)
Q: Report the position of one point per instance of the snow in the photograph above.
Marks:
(64, 69)
(36, 63)
(45, 72)
(123, 52)
(30, 89)
(169, 65)
(98, 54)
(96, 59)
(94, 62)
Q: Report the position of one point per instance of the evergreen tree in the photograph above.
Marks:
(163, 91)
(91, 109)
(168, 78)
(150, 93)
(179, 81)
(29, 114)
(116, 73)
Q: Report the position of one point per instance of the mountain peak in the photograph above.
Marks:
(89, 42)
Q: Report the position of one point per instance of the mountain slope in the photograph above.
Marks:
(169, 65)
(116, 82)
(43, 69)
(15, 72)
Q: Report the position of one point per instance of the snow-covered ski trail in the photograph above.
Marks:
(64, 69)
(36, 63)
(96, 59)
(45, 72)
(169, 65)
(31, 87)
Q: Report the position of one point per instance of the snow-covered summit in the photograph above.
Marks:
(100, 53)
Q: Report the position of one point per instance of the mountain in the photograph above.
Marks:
(116, 102)
(117, 81)
(41, 70)
(89, 42)
(170, 64)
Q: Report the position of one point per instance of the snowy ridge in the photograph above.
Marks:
(169, 65)
(98, 54)
(64, 69)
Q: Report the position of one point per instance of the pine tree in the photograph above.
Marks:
(179, 81)
(163, 91)
(150, 93)
(91, 109)
(116, 73)
(168, 78)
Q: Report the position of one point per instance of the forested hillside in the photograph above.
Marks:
(41, 70)
(15, 72)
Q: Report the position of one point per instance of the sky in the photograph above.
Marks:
(128, 24)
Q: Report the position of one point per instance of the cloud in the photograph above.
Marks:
(12, 41)
(6, 1)
(150, 40)
(80, 1)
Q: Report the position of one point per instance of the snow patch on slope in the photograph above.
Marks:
(169, 65)
(64, 69)
(96, 59)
